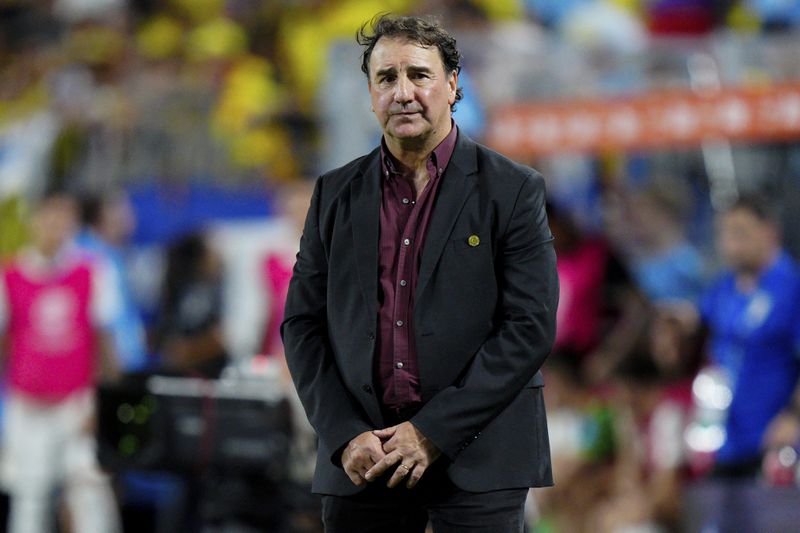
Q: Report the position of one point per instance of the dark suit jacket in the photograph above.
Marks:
(484, 319)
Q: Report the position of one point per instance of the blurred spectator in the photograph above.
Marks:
(666, 266)
(601, 315)
(677, 355)
(582, 270)
(108, 222)
(651, 419)
(190, 339)
(776, 14)
(603, 25)
(28, 128)
(55, 306)
(552, 12)
(753, 314)
(293, 201)
(582, 443)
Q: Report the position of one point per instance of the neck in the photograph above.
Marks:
(48, 252)
(746, 279)
(413, 153)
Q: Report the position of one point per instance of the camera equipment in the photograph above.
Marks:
(184, 424)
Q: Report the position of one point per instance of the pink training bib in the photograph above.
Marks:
(51, 340)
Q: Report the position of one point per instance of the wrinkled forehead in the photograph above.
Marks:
(400, 51)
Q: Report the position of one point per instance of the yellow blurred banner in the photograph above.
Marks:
(653, 120)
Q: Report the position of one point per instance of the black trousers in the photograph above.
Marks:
(378, 509)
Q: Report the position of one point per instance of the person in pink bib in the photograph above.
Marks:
(54, 305)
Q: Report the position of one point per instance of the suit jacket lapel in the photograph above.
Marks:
(457, 182)
(365, 201)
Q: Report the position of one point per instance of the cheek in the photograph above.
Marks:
(727, 243)
(381, 103)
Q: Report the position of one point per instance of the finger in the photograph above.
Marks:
(362, 469)
(400, 436)
(381, 466)
(415, 475)
(399, 474)
(376, 453)
(385, 433)
(364, 464)
(392, 444)
(354, 477)
(358, 463)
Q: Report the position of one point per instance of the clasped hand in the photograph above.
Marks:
(372, 453)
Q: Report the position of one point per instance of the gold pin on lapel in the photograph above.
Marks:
(474, 240)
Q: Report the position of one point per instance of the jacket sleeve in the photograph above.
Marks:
(522, 338)
(330, 407)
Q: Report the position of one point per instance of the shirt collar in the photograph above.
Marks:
(440, 156)
(36, 264)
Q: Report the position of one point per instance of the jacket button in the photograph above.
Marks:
(367, 389)
(371, 336)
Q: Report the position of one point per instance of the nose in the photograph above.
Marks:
(403, 91)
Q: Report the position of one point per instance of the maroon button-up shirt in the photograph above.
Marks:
(404, 220)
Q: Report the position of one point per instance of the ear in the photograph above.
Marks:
(369, 90)
(452, 83)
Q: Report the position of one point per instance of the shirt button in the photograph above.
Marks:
(399, 323)
(400, 365)
(403, 283)
(406, 200)
(406, 241)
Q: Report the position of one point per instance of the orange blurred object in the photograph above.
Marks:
(653, 120)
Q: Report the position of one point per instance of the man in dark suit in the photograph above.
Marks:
(421, 308)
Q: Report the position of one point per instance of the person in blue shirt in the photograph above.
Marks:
(666, 266)
(108, 222)
(752, 312)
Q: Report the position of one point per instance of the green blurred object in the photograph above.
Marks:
(598, 441)
(544, 525)
(13, 225)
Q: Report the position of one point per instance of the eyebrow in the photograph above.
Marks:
(384, 71)
(419, 69)
(411, 69)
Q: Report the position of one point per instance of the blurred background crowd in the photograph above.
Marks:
(183, 136)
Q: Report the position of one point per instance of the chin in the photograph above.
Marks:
(408, 128)
(409, 131)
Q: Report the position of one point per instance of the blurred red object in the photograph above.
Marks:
(680, 17)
